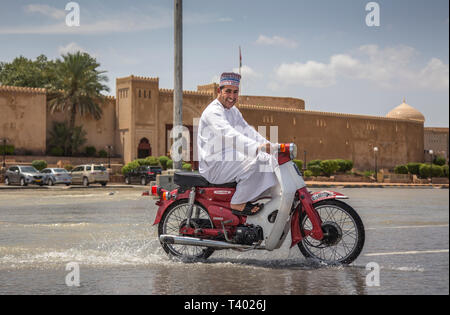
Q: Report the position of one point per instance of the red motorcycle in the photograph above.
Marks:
(195, 219)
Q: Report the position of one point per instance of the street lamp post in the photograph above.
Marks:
(375, 151)
(431, 165)
(4, 152)
(109, 147)
(304, 161)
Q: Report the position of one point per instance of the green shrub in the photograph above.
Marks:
(151, 160)
(438, 171)
(445, 169)
(186, 167)
(7, 149)
(401, 169)
(103, 154)
(39, 164)
(369, 173)
(169, 164)
(316, 170)
(329, 167)
(68, 167)
(130, 166)
(163, 161)
(312, 163)
(413, 168)
(56, 151)
(299, 164)
(307, 173)
(439, 160)
(90, 151)
(426, 171)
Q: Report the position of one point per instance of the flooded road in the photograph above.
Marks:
(109, 235)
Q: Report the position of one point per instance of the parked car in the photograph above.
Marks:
(56, 176)
(90, 174)
(143, 175)
(23, 175)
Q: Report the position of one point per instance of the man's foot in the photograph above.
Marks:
(246, 208)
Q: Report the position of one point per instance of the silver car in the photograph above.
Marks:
(56, 176)
(23, 175)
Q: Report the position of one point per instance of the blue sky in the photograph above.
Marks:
(321, 51)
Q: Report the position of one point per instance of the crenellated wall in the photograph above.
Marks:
(142, 110)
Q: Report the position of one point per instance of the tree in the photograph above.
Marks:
(28, 73)
(78, 88)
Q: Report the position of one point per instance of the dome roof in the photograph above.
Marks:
(405, 111)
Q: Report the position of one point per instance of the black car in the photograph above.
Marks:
(143, 175)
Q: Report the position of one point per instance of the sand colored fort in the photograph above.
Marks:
(137, 123)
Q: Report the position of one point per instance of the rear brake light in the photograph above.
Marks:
(154, 190)
(150, 173)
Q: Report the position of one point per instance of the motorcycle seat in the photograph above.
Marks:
(189, 180)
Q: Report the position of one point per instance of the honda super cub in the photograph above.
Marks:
(195, 219)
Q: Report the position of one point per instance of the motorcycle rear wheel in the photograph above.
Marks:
(171, 222)
(344, 234)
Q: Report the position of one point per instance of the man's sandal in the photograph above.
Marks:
(248, 209)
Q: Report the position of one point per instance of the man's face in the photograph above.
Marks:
(228, 96)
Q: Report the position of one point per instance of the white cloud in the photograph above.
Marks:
(392, 67)
(146, 18)
(46, 10)
(70, 48)
(247, 73)
(276, 41)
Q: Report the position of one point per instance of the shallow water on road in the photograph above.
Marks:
(110, 235)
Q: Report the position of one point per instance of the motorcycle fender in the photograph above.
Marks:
(326, 194)
(163, 205)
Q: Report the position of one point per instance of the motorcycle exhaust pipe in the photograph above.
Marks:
(192, 241)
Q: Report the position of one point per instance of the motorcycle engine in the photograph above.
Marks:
(248, 235)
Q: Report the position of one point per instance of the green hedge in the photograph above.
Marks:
(56, 151)
(39, 164)
(329, 167)
(7, 149)
(435, 171)
(163, 161)
(445, 169)
(90, 151)
(414, 168)
(401, 169)
(102, 154)
(316, 170)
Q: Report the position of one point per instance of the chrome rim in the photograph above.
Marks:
(345, 235)
(172, 224)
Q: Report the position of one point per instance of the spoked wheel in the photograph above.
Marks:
(174, 219)
(343, 234)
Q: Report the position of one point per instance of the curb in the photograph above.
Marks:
(72, 187)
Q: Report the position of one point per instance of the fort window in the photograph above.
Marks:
(139, 93)
(144, 149)
(145, 93)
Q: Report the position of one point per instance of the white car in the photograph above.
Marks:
(90, 174)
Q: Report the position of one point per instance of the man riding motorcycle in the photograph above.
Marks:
(230, 150)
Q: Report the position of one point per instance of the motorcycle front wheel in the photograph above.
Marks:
(174, 219)
(344, 234)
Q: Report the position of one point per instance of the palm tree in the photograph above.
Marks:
(78, 88)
